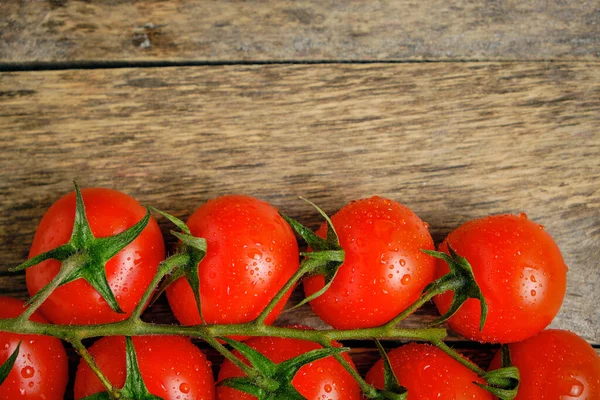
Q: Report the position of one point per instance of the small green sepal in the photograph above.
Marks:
(326, 257)
(88, 253)
(8, 364)
(461, 281)
(503, 382)
(193, 249)
(273, 381)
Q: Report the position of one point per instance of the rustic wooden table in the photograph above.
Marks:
(456, 109)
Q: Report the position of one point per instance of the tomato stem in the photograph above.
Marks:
(85, 355)
(68, 266)
(300, 272)
(164, 268)
(368, 390)
(458, 357)
(425, 297)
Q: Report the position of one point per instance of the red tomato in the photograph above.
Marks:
(129, 272)
(41, 368)
(521, 274)
(324, 379)
(555, 364)
(429, 373)
(384, 270)
(171, 366)
(251, 254)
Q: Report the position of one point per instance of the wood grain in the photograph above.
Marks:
(305, 30)
(453, 141)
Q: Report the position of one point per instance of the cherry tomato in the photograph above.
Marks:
(41, 368)
(555, 364)
(429, 373)
(129, 272)
(384, 270)
(521, 274)
(324, 379)
(251, 254)
(172, 367)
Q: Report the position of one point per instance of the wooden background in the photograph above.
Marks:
(456, 109)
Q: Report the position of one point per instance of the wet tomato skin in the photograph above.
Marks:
(520, 271)
(384, 270)
(251, 254)
(429, 373)
(41, 368)
(555, 364)
(171, 366)
(323, 379)
(129, 272)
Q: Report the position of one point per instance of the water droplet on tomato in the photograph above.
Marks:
(533, 293)
(328, 388)
(390, 276)
(405, 279)
(532, 277)
(27, 372)
(255, 254)
(30, 384)
(523, 216)
(402, 262)
(184, 388)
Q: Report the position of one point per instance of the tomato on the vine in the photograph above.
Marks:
(251, 253)
(555, 364)
(384, 270)
(429, 373)
(520, 271)
(324, 379)
(41, 368)
(129, 272)
(172, 368)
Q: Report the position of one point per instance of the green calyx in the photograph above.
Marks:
(85, 256)
(8, 364)
(326, 257)
(134, 388)
(460, 280)
(503, 382)
(273, 381)
(185, 262)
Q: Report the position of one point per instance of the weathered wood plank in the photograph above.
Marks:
(79, 30)
(452, 141)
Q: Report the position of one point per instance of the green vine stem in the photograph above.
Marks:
(458, 357)
(85, 355)
(68, 266)
(368, 390)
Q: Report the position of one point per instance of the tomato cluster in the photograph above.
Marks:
(252, 252)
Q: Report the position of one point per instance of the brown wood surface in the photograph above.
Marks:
(453, 141)
(309, 30)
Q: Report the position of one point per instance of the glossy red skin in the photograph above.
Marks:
(429, 373)
(41, 369)
(520, 271)
(555, 364)
(171, 366)
(129, 272)
(384, 270)
(251, 253)
(323, 379)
